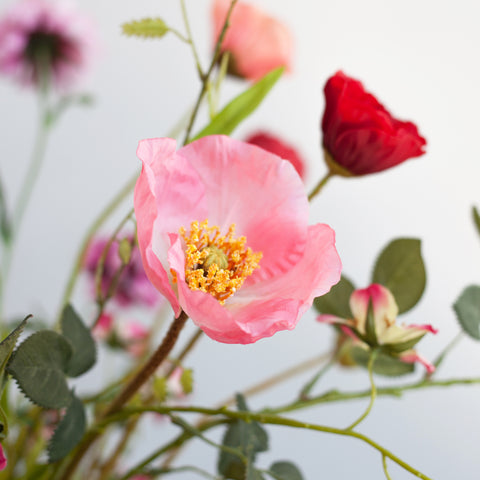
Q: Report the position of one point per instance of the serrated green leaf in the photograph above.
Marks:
(38, 365)
(400, 268)
(7, 346)
(384, 364)
(337, 300)
(476, 219)
(250, 438)
(84, 351)
(69, 431)
(467, 308)
(285, 471)
(225, 122)
(146, 28)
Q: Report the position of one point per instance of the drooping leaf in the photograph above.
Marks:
(225, 122)
(69, 431)
(476, 219)
(384, 364)
(400, 268)
(285, 471)
(467, 308)
(84, 351)
(249, 438)
(38, 365)
(146, 28)
(336, 301)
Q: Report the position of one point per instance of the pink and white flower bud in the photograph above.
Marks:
(104, 327)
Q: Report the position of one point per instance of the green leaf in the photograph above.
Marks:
(69, 431)
(38, 366)
(384, 364)
(84, 350)
(225, 122)
(400, 268)
(250, 438)
(146, 28)
(467, 308)
(7, 346)
(285, 471)
(337, 300)
(476, 219)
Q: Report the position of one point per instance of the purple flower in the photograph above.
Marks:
(133, 287)
(42, 41)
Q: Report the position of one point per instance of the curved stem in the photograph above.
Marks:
(318, 187)
(385, 468)
(373, 390)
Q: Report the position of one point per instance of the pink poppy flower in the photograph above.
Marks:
(44, 41)
(133, 287)
(3, 459)
(359, 135)
(256, 42)
(223, 233)
(394, 339)
(273, 144)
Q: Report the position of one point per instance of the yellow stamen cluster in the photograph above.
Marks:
(214, 263)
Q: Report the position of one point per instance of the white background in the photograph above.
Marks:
(421, 59)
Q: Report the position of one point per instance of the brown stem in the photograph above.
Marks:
(130, 389)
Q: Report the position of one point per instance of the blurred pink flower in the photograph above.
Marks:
(133, 287)
(40, 34)
(392, 338)
(104, 327)
(275, 145)
(224, 236)
(3, 459)
(134, 337)
(256, 42)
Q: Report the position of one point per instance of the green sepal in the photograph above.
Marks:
(38, 365)
(249, 438)
(476, 219)
(467, 308)
(337, 300)
(225, 122)
(370, 329)
(125, 250)
(402, 346)
(146, 28)
(69, 431)
(384, 364)
(84, 353)
(285, 471)
(400, 268)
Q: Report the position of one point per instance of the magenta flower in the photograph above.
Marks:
(257, 43)
(392, 338)
(44, 41)
(223, 233)
(3, 459)
(133, 287)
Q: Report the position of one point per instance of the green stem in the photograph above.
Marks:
(319, 186)
(373, 390)
(441, 357)
(385, 467)
(98, 222)
(269, 420)
(190, 40)
(305, 391)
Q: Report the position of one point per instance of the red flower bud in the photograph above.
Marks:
(359, 135)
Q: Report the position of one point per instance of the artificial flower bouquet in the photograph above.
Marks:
(217, 236)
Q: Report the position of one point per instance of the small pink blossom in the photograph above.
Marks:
(104, 327)
(39, 34)
(134, 337)
(133, 287)
(224, 236)
(391, 337)
(256, 42)
(3, 459)
(275, 145)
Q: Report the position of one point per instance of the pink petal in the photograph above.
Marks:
(412, 357)
(427, 327)
(3, 460)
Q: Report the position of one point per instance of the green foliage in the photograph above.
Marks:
(467, 308)
(225, 122)
(186, 380)
(336, 301)
(38, 365)
(69, 431)
(384, 364)
(146, 28)
(476, 219)
(84, 351)
(249, 438)
(285, 471)
(400, 268)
